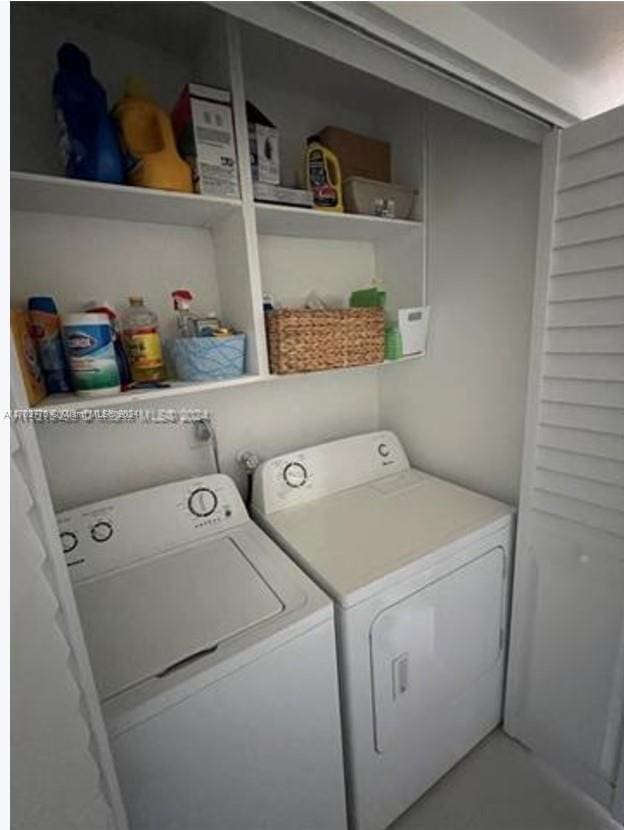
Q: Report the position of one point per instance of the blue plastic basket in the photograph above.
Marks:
(208, 358)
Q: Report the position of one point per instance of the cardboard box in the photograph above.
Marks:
(204, 131)
(357, 154)
(263, 147)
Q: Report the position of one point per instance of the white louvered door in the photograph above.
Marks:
(565, 690)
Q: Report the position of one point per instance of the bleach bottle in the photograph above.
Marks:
(88, 137)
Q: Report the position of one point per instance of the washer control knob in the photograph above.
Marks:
(69, 541)
(383, 450)
(202, 502)
(101, 531)
(295, 474)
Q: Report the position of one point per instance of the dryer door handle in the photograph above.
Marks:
(400, 675)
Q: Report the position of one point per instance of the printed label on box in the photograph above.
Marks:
(215, 162)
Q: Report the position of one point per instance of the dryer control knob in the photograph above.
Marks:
(69, 541)
(383, 450)
(101, 531)
(202, 502)
(295, 474)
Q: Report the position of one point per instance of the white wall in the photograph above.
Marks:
(79, 259)
(460, 411)
(86, 462)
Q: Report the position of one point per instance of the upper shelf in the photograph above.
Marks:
(55, 194)
(283, 220)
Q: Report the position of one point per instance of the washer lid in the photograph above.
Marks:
(142, 620)
(350, 540)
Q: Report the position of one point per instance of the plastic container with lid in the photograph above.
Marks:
(123, 365)
(88, 342)
(142, 341)
(373, 198)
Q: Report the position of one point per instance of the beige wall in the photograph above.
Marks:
(460, 411)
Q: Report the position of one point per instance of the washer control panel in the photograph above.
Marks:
(110, 534)
(312, 473)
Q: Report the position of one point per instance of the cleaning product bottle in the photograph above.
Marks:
(142, 340)
(149, 142)
(45, 330)
(393, 344)
(26, 351)
(88, 138)
(123, 364)
(322, 176)
(182, 299)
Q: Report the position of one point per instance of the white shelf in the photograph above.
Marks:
(283, 220)
(55, 194)
(408, 357)
(182, 388)
(139, 396)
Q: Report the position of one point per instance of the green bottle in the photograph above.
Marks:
(393, 344)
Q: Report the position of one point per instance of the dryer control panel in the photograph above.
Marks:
(110, 534)
(315, 472)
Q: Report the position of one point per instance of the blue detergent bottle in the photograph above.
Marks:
(88, 137)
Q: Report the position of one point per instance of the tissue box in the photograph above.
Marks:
(208, 358)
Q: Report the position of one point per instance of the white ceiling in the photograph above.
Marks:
(583, 39)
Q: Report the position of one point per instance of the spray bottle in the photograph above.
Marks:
(182, 299)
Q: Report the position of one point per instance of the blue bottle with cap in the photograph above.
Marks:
(88, 137)
(45, 330)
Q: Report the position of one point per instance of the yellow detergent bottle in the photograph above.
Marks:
(322, 176)
(147, 137)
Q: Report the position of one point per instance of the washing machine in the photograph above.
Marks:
(417, 568)
(214, 657)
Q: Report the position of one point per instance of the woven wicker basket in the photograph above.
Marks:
(309, 340)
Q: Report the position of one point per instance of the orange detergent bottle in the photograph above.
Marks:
(147, 137)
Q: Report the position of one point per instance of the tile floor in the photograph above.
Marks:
(501, 786)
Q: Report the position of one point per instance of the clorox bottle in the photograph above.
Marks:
(322, 176)
(148, 140)
(88, 137)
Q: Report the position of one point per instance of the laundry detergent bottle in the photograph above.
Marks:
(149, 143)
(322, 176)
(87, 135)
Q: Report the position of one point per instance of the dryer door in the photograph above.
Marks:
(430, 649)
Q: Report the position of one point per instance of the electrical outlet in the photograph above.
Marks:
(201, 433)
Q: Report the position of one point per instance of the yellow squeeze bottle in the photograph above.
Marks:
(322, 176)
(147, 136)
